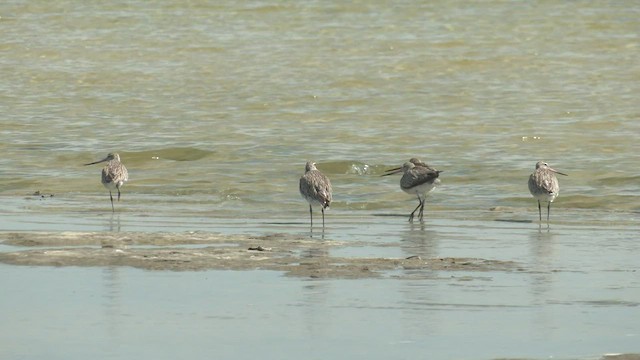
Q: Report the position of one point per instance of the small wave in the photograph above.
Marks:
(351, 167)
(175, 154)
(618, 181)
(608, 202)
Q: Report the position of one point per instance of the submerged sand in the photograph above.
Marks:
(303, 257)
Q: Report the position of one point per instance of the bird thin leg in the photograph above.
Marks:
(118, 193)
(539, 211)
(311, 215)
(548, 211)
(322, 219)
(421, 212)
(414, 210)
(111, 197)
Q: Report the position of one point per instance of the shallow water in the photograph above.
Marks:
(572, 294)
(573, 299)
(214, 109)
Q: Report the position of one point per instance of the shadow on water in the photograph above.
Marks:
(318, 233)
(113, 307)
(541, 246)
(541, 249)
(419, 240)
(515, 221)
(114, 223)
(418, 295)
(316, 252)
(315, 297)
(391, 215)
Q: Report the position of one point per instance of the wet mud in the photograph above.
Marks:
(621, 357)
(295, 256)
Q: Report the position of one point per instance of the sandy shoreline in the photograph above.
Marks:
(292, 255)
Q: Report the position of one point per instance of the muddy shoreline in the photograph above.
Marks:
(295, 256)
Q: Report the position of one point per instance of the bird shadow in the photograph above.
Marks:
(390, 215)
(514, 221)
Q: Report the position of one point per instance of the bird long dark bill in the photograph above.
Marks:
(557, 172)
(392, 171)
(98, 162)
(399, 169)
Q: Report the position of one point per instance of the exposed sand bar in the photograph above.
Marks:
(304, 257)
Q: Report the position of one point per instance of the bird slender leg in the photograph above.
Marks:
(111, 197)
(311, 215)
(118, 193)
(548, 211)
(421, 212)
(322, 219)
(539, 211)
(414, 210)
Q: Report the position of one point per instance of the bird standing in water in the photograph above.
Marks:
(543, 185)
(114, 174)
(316, 189)
(418, 178)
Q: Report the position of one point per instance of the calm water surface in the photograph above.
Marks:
(215, 107)
(575, 298)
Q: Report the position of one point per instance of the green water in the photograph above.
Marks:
(223, 104)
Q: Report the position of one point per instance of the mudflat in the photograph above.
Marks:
(295, 256)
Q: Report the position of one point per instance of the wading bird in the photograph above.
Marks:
(114, 174)
(544, 186)
(418, 178)
(316, 189)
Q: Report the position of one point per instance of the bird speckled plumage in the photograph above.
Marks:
(114, 174)
(315, 187)
(418, 178)
(544, 186)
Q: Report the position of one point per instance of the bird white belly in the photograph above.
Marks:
(546, 197)
(423, 188)
(112, 185)
(313, 201)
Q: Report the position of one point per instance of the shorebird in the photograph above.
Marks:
(419, 178)
(114, 174)
(416, 162)
(316, 189)
(543, 185)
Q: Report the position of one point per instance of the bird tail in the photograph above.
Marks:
(325, 203)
